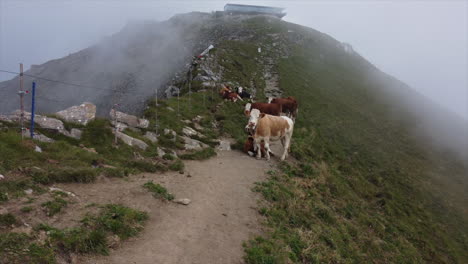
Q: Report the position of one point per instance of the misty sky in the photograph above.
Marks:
(423, 43)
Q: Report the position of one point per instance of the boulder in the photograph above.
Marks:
(74, 133)
(208, 84)
(38, 149)
(190, 132)
(151, 136)
(171, 91)
(43, 121)
(119, 126)
(130, 140)
(160, 152)
(224, 145)
(5, 118)
(37, 136)
(168, 131)
(183, 201)
(2, 177)
(193, 144)
(129, 120)
(80, 114)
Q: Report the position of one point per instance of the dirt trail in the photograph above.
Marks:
(211, 229)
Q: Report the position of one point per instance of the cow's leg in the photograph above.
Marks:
(257, 147)
(267, 148)
(286, 147)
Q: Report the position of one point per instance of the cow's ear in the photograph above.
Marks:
(262, 115)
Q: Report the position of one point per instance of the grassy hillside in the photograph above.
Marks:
(361, 190)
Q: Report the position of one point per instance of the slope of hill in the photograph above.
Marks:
(365, 186)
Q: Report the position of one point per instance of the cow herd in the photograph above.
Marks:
(268, 122)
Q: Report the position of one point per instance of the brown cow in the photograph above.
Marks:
(268, 127)
(288, 104)
(270, 109)
(231, 96)
(223, 90)
(250, 150)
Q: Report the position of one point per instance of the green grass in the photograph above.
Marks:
(158, 191)
(7, 220)
(357, 193)
(177, 165)
(18, 248)
(54, 206)
(91, 236)
(203, 154)
(27, 209)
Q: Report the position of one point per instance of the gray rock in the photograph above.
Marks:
(184, 201)
(188, 122)
(168, 131)
(38, 149)
(28, 191)
(151, 136)
(43, 121)
(197, 119)
(38, 136)
(74, 133)
(188, 131)
(80, 114)
(198, 127)
(224, 145)
(129, 120)
(161, 152)
(119, 126)
(193, 144)
(171, 91)
(170, 109)
(2, 177)
(208, 84)
(5, 118)
(130, 140)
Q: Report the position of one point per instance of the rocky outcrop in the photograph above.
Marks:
(130, 120)
(80, 114)
(190, 132)
(193, 144)
(151, 136)
(42, 121)
(130, 140)
(38, 136)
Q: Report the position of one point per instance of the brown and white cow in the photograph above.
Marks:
(268, 128)
(231, 96)
(265, 108)
(250, 150)
(288, 104)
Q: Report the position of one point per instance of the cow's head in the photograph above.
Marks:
(239, 90)
(270, 99)
(252, 124)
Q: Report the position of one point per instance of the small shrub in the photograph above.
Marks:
(7, 220)
(168, 156)
(122, 221)
(145, 166)
(158, 191)
(55, 206)
(26, 209)
(177, 165)
(113, 172)
(199, 155)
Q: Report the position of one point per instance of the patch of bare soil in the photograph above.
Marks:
(222, 214)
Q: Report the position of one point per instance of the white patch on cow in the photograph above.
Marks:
(240, 90)
(270, 99)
